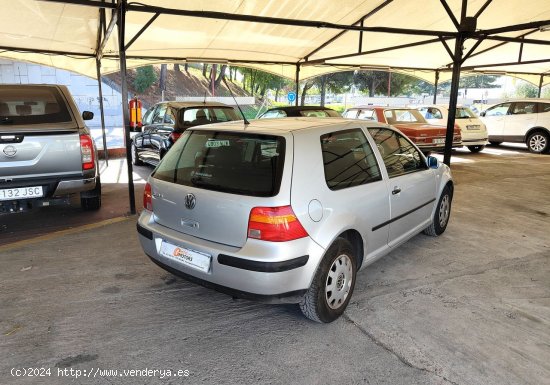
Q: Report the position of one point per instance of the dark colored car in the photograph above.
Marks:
(165, 122)
(311, 111)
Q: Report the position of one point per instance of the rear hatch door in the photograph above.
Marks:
(209, 181)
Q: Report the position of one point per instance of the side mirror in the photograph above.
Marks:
(433, 162)
(87, 115)
(482, 113)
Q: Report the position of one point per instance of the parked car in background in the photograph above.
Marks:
(46, 151)
(288, 210)
(310, 111)
(472, 130)
(164, 123)
(520, 121)
(409, 121)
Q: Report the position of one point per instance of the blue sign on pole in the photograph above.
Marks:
(291, 97)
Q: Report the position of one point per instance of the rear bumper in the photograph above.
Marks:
(475, 142)
(275, 272)
(436, 147)
(65, 187)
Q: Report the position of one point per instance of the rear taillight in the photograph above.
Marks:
(275, 224)
(147, 198)
(174, 136)
(87, 151)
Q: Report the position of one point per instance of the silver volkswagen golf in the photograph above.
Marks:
(288, 210)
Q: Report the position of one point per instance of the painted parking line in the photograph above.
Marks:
(56, 234)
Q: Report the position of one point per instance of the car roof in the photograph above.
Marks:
(286, 125)
(381, 107)
(177, 104)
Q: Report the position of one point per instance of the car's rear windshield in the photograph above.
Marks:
(320, 113)
(397, 116)
(206, 115)
(237, 163)
(464, 113)
(23, 105)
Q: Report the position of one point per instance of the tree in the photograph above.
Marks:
(478, 81)
(145, 78)
(526, 90)
(162, 79)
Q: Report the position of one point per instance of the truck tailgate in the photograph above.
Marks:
(46, 153)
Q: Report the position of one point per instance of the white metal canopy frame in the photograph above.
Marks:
(434, 40)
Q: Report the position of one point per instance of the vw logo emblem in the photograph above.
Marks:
(190, 201)
(10, 151)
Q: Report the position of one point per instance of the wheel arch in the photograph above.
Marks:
(356, 240)
(535, 129)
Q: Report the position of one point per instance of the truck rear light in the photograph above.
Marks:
(147, 198)
(87, 151)
(275, 224)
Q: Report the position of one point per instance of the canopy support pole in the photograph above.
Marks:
(101, 110)
(436, 83)
(540, 85)
(457, 64)
(297, 82)
(121, 23)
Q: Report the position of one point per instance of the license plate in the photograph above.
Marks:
(473, 127)
(194, 259)
(439, 141)
(7, 194)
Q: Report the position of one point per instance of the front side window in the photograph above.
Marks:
(498, 110)
(237, 163)
(348, 159)
(32, 105)
(399, 154)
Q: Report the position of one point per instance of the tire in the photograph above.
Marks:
(332, 287)
(91, 200)
(442, 214)
(538, 142)
(493, 143)
(476, 149)
(135, 157)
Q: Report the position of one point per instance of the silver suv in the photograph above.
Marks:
(288, 210)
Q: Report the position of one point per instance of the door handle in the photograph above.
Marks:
(396, 190)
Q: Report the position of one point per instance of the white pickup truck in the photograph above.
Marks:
(46, 151)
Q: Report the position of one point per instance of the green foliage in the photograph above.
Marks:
(145, 78)
(478, 81)
(526, 90)
(545, 92)
(376, 83)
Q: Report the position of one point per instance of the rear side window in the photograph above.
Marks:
(237, 163)
(348, 159)
(32, 105)
(521, 108)
(543, 107)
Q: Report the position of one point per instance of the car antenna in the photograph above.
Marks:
(204, 101)
(246, 122)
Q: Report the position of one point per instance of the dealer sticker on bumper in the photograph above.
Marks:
(191, 258)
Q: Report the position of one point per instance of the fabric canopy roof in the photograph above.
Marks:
(411, 37)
